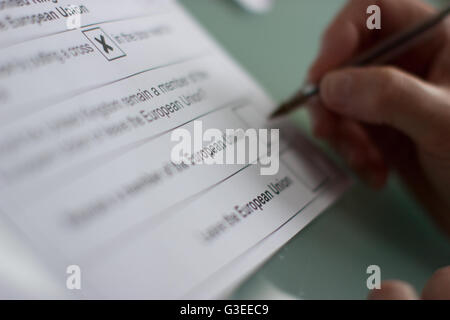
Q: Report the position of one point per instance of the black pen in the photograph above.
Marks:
(382, 53)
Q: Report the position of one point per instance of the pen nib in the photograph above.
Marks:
(295, 102)
(288, 106)
(277, 113)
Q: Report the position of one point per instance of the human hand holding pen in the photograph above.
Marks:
(389, 117)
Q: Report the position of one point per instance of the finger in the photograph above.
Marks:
(348, 34)
(438, 287)
(352, 141)
(388, 96)
(323, 121)
(346, 136)
(393, 290)
(361, 153)
(336, 49)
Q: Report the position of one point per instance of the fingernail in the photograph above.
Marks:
(337, 88)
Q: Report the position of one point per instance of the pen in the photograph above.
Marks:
(382, 53)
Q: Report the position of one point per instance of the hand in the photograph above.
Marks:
(389, 118)
(437, 288)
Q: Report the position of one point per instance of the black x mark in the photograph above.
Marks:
(106, 46)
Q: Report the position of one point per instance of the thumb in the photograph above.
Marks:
(388, 96)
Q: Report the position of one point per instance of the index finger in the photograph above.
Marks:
(348, 34)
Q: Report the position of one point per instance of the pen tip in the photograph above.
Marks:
(276, 114)
(283, 109)
(295, 102)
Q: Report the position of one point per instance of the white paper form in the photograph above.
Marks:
(85, 167)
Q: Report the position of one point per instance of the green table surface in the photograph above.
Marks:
(328, 259)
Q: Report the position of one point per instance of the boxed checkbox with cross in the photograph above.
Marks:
(107, 47)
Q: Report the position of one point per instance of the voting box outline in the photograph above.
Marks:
(107, 47)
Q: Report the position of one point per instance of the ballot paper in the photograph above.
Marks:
(86, 176)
